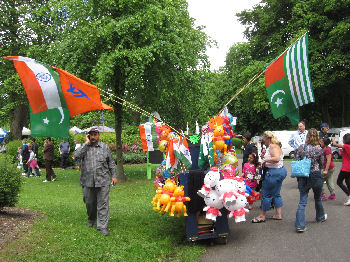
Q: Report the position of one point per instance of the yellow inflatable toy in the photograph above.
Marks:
(177, 202)
(165, 194)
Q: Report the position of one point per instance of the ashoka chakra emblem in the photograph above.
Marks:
(44, 77)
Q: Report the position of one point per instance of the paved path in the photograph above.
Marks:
(278, 241)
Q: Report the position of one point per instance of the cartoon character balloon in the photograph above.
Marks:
(214, 204)
(210, 180)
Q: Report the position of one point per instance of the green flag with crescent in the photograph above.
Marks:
(288, 82)
(52, 122)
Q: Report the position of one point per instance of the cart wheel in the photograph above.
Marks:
(221, 240)
(192, 243)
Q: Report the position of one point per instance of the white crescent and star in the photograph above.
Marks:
(279, 101)
(46, 120)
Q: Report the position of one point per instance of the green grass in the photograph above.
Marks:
(137, 233)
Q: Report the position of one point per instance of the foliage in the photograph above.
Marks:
(237, 142)
(94, 118)
(11, 149)
(10, 182)
(135, 158)
(137, 233)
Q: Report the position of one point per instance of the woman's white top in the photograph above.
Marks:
(271, 164)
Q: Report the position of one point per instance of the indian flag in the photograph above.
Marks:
(288, 82)
(41, 84)
(148, 134)
(183, 153)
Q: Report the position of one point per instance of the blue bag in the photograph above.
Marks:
(301, 168)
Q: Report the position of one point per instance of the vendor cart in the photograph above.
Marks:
(197, 227)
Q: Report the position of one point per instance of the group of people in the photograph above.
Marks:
(309, 144)
(28, 153)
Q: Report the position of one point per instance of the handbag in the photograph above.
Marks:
(301, 168)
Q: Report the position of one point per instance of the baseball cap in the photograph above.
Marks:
(324, 125)
(94, 129)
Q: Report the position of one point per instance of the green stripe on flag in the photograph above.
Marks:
(297, 71)
(56, 77)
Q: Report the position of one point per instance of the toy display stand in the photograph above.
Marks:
(197, 227)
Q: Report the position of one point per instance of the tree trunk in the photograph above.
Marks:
(325, 113)
(19, 118)
(118, 135)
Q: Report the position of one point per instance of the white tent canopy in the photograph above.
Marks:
(26, 131)
(102, 129)
(3, 132)
(75, 130)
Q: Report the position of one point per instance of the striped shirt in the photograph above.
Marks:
(97, 164)
(297, 139)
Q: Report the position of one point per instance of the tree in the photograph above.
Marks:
(143, 51)
(24, 30)
(273, 25)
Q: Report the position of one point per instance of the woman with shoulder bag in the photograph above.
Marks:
(313, 151)
(275, 173)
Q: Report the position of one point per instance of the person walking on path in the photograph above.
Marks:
(32, 164)
(311, 150)
(48, 151)
(328, 170)
(25, 155)
(344, 174)
(249, 147)
(324, 127)
(34, 147)
(64, 149)
(298, 139)
(274, 175)
(97, 164)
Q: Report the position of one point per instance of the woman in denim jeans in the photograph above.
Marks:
(311, 150)
(274, 176)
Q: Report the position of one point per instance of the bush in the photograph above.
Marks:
(10, 182)
(237, 142)
(134, 158)
(11, 150)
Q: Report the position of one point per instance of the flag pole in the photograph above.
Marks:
(257, 75)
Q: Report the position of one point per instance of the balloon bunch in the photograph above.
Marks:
(170, 198)
(223, 187)
(220, 133)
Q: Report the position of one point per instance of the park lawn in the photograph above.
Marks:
(137, 233)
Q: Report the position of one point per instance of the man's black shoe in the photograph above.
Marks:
(103, 231)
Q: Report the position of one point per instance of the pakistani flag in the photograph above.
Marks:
(52, 122)
(288, 82)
